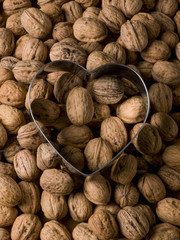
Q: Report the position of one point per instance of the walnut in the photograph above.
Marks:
(7, 216)
(29, 136)
(30, 202)
(165, 22)
(8, 169)
(13, 23)
(68, 51)
(4, 234)
(72, 11)
(171, 156)
(112, 207)
(177, 21)
(76, 136)
(3, 136)
(161, 97)
(112, 17)
(114, 131)
(7, 42)
(13, 93)
(14, 147)
(13, 6)
(116, 51)
(126, 195)
(26, 226)
(62, 30)
(36, 23)
(167, 127)
(98, 58)
(151, 24)
(168, 210)
(25, 165)
(54, 229)
(133, 223)
(103, 225)
(92, 12)
(20, 43)
(92, 46)
(124, 169)
(9, 62)
(152, 188)
(89, 30)
(87, 3)
(171, 38)
(54, 11)
(148, 140)
(54, 207)
(134, 35)
(6, 74)
(157, 51)
(130, 7)
(82, 232)
(97, 189)
(10, 193)
(145, 69)
(56, 182)
(147, 212)
(168, 7)
(171, 177)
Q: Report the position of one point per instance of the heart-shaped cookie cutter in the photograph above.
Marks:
(120, 70)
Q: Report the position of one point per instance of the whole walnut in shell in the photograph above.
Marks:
(6, 74)
(151, 217)
(7, 216)
(13, 6)
(112, 207)
(54, 11)
(72, 11)
(7, 42)
(115, 50)
(171, 156)
(62, 30)
(87, 3)
(92, 12)
(20, 43)
(82, 231)
(4, 234)
(3, 136)
(13, 23)
(171, 38)
(166, 23)
(168, 7)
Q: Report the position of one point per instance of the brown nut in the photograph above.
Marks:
(7, 42)
(98, 152)
(54, 229)
(171, 156)
(8, 169)
(151, 217)
(133, 223)
(165, 22)
(134, 35)
(9, 62)
(126, 195)
(4, 234)
(82, 231)
(171, 38)
(152, 188)
(13, 23)
(124, 169)
(80, 208)
(87, 3)
(114, 131)
(168, 210)
(7, 215)
(103, 225)
(6, 74)
(54, 11)
(13, 6)
(56, 182)
(26, 226)
(112, 207)
(54, 207)
(97, 189)
(72, 11)
(62, 30)
(116, 51)
(177, 21)
(3, 136)
(36, 23)
(10, 193)
(92, 12)
(169, 7)
(83, 30)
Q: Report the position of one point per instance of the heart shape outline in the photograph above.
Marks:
(75, 68)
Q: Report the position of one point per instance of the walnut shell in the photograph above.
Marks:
(147, 212)
(124, 169)
(82, 231)
(36, 23)
(13, 6)
(7, 216)
(177, 21)
(4, 234)
(9, 155)
(68, 51)
(54, 207)
(112, 17)
(130, 7)
(115, 50)
(54, 11)
(13, 93)
(112, 207)
(10, 193)
(107, 89)
(56, 230)
(8, 169)
(98, 58)
(3, 136)
(6, 74)
(26, 226)
(56, 182)
(152, 26)
(133, 223)
(171, 177)
(162, 231)
(7, 42)
(87, 3)
(168, 7)
(167, 127)
(134, 35)
(131, 110)
(114, 131)
(126, 195)
(12, 118)
(157, 51)
(62, 30)
(30, 202)
(76, 136)
(13, 23)
(24, 71)
(89, 30)
(161, 97)
(97, 189)
(166, 72)
(25, 165)
(91, 12)
(80, 208)
(171, 38)
(168, 210)
(9, 62)
(148, 141)
(152, 188)
(91, 46)
(171, 156)
(103, 225)
(20, 43)
(79, 106)
(72, 11)
(165, 22)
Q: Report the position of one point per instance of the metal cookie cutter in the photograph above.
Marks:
(120, 70)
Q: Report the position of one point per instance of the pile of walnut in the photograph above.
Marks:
(138, 196)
